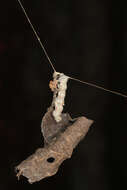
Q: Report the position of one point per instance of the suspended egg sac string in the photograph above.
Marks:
(62, 76)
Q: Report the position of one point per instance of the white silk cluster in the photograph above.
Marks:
(59, 94)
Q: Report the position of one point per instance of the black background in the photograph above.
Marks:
(86, 39)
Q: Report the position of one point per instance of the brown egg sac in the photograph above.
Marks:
(53, 85)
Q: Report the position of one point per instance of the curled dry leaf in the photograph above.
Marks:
(58, 146)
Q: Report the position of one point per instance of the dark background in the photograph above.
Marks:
(86, 39)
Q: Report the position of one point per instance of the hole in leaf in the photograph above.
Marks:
(51, 160)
